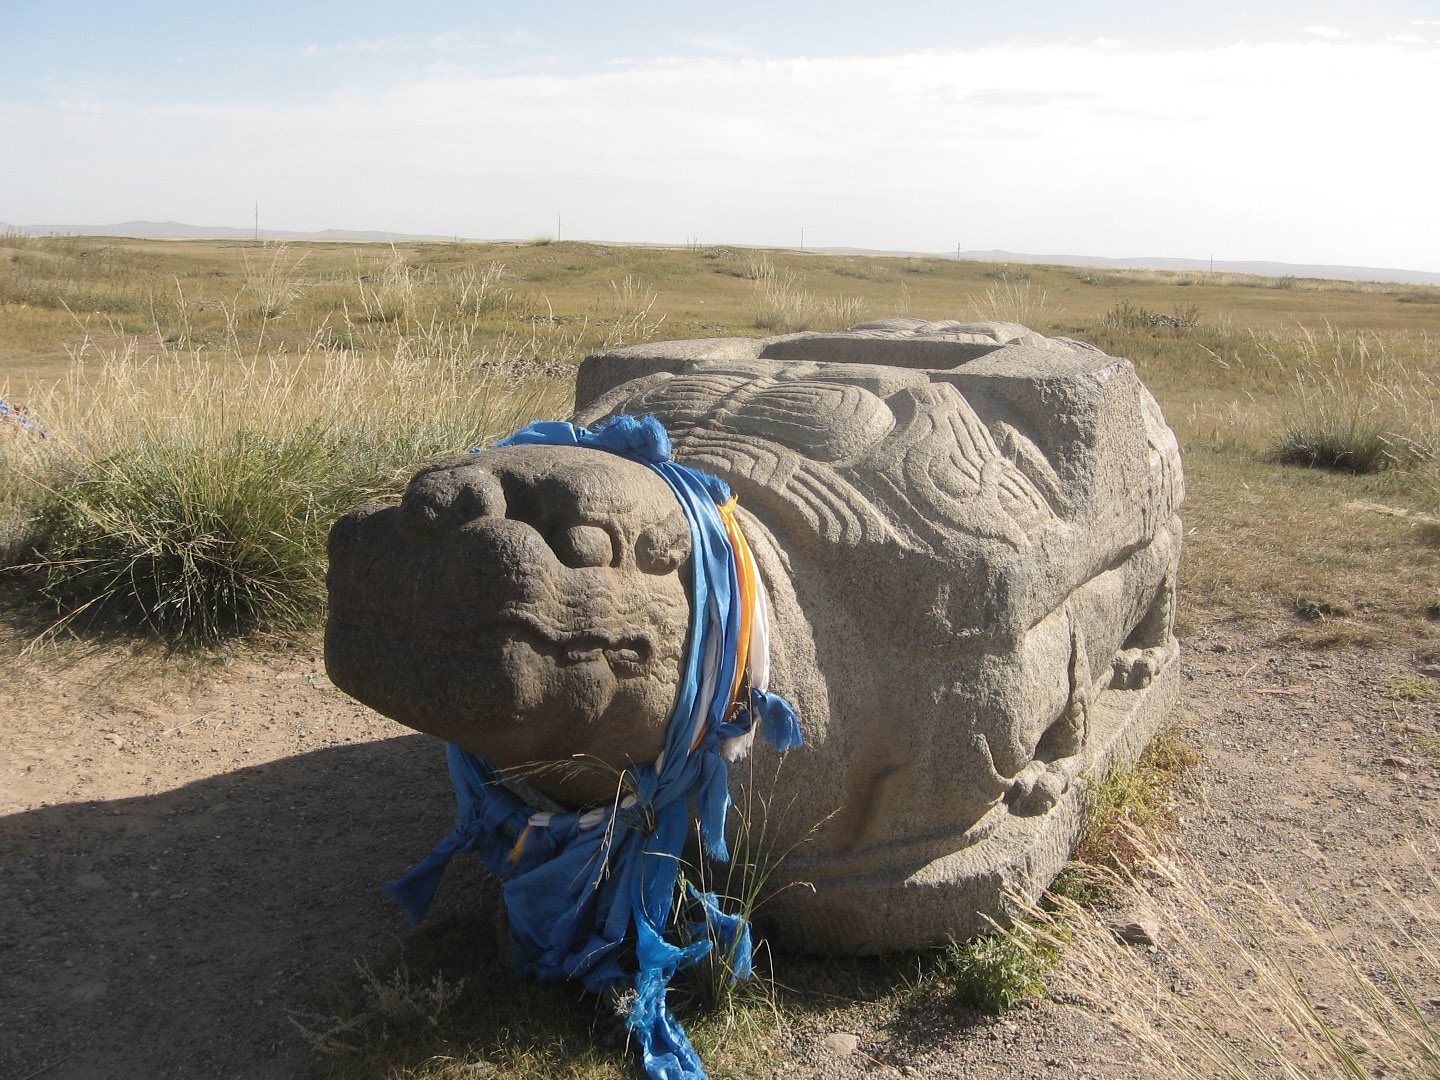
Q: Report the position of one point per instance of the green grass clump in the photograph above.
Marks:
(195, 541)
(1133, 799)
(191, 499)
(1320, 608)
(1412, 688)
(1344, 444)
(995, 972)
(1358, 407)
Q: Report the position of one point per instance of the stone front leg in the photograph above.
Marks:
(1150, 646)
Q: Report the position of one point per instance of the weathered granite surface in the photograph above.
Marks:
(969, 536)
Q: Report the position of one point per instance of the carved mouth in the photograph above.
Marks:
(628, 656)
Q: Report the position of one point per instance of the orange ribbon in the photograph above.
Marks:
(748, 576)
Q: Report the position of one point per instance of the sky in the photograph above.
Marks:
(1297, 132)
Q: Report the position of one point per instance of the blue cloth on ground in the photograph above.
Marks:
(22, 416)
(594, 904)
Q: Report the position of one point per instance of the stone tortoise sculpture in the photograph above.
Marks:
(969, 537)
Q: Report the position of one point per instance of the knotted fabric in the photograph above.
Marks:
(590, 896)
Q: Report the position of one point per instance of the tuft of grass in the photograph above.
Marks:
(1127, 315)
(446, 1004)
(191, 498)
(1342, 442)
(195, 541)
(1412, 689)
(390, 1006)
(1427, 294)
(1013, 300)
(1139, 798)
(1360, 410)
(1321, 608)
(744, 883)
(785, 306)
(995, 972)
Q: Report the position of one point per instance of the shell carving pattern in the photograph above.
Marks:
(923, 455)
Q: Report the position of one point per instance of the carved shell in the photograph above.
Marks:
(853, 434)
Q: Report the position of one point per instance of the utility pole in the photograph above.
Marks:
(557, 227)
(257, 221)
(1212, 264)
(802, 237)
(957, 250)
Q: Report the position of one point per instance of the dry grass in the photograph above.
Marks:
(1259, 362)
(190, 495)
(1013, 301)
(1248, 984)
(1360, 406)
(784, 305)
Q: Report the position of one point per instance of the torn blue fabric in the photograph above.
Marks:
(29, 422)
(595, 904)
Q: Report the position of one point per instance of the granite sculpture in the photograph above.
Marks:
(968, 534)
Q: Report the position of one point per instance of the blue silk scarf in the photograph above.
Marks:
(594, 901)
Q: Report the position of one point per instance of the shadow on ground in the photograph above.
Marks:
(174, 935)
(167, 935)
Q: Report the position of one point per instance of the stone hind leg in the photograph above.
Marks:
(1150, 646)
(1120, 636)
(1126, 615)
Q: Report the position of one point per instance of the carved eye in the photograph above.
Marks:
(662, 548)
(584, 545)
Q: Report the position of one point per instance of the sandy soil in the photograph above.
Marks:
(183, 854)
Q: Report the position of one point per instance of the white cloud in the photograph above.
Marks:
(1248, 151)
(721, 44)
(1327, 32)
(1406, 39)
(446, 42)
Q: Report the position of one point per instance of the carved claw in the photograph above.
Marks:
(1036, 789)
(1135, 669)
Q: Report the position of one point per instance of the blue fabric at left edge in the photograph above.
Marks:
(595, 904)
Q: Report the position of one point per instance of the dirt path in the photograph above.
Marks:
(179, 861)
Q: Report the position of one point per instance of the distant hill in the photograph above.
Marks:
(1264, 269)
(176, 230)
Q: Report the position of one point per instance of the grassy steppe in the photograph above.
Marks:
(304, 359)
(212, 405)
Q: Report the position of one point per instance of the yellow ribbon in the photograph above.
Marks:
(748, 576)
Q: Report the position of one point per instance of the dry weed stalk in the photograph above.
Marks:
(400, 1002)
(1245, 983)
(1013, 301)
(785, 305)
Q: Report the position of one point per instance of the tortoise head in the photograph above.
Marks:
(529, 604)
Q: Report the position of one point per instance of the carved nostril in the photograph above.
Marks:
(420, 511)
(663, 547)
(584, 545)
(451, 498)
(472, 502)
